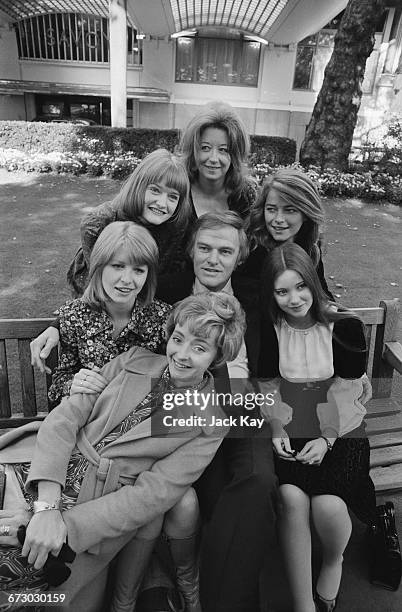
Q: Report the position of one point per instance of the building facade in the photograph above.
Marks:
(266, 58)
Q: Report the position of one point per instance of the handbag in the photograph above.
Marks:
(386, 562)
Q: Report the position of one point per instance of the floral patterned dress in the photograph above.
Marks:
(86, 338)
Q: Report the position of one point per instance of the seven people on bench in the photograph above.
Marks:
(254, 314)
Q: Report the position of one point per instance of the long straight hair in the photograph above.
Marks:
(291, 256)
(296, 189)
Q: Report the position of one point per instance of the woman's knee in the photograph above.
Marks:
(329, 505)
(293, 500)
(151, 530)
(183, 517)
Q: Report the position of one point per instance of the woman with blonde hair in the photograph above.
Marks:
(117, 310)
(107, 466)
(215, 146)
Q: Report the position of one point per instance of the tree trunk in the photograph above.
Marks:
(329, 134)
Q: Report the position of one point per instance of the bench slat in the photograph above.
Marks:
(370, 316)
(384, 424)
(386, 456)
(383, 406)
(17, 421)
(22, 328)
(5, 403)
(388, 439)
(382, 372)
(27, 379)
(393, 355)
(387, 478)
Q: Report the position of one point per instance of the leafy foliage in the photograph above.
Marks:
(44, 138)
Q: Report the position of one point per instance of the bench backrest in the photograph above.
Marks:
(23, 393)
(381, 327)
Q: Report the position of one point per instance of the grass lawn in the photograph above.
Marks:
(39, 234)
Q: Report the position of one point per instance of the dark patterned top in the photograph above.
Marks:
(169, 238)
(86, 338)
(239, 202)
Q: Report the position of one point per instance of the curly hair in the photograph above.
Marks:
(206, 312)
(222, 116)
(298, 190)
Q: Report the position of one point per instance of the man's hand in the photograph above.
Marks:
(41, 347)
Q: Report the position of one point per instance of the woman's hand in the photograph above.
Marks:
(281, 443)
(313, 452)
(88, 381)
(41, 347)
(367, 393)
(46, 533)
(13, 519)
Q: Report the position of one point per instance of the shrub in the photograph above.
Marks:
(37, 137)
(272, 150)
(382, 149)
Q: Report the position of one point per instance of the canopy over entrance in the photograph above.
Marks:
(281, 21)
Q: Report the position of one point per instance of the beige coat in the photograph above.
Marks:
(156, 464)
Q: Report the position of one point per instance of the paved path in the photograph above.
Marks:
(356, 594)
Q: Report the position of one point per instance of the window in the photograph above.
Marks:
(314, 52)
(72, 37)
(217, 61)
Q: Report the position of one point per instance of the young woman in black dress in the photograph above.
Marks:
(322, 453)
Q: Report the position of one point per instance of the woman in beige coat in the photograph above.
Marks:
(106, 465)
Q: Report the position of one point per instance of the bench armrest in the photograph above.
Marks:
(393, 355)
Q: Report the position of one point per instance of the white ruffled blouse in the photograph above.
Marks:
(306, 355)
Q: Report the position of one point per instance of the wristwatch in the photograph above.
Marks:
(41, 506)
(329, 445)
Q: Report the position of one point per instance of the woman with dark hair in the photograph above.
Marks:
(215, 146)
(315, 369)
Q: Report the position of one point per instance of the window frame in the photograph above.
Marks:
(242, 41)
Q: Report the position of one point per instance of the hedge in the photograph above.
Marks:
(272, 150)
(37, 137)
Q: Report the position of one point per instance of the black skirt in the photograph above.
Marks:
(344, 471)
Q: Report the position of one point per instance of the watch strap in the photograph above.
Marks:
(329, 445)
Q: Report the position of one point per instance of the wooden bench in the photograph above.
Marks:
(23, 392)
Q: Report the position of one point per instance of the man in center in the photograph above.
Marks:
(237, 492)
